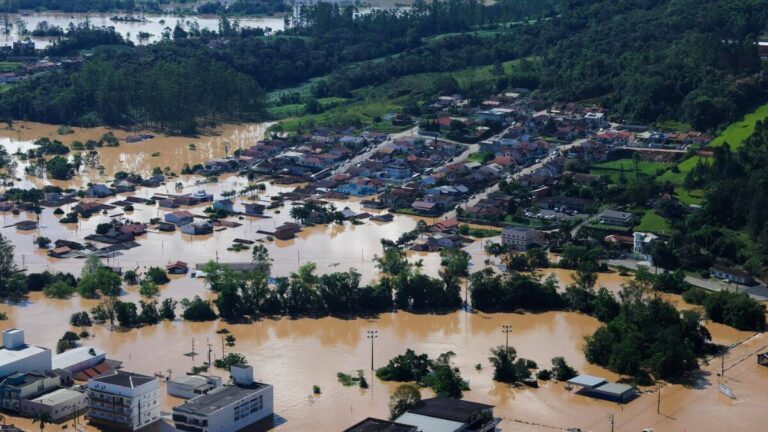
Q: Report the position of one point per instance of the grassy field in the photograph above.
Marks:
(689, 197)
(736, 133)
(8, 66)
(677, 178)
(613, 169)
(354, 113)
(654, 223)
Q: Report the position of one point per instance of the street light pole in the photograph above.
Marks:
(506, 329)
(372, 334)
(610, 419)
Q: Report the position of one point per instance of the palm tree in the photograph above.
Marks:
(42, 418)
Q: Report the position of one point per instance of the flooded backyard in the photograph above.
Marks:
(295, 354)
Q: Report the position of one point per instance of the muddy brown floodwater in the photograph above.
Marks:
(294, 355)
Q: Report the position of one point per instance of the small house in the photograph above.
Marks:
(197, 228)
(224, 205)
(731, 274)
(252, 209)
(179, 267)
(179, 217)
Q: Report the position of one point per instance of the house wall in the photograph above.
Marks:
(131, 407)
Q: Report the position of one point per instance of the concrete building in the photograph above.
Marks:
(229, 408)
(17, 356)
(643, 244)
(78, 359)
(617, 218)
(191, 386)
(518, 238)
(20, 386)
(121, 400)
(445, 414)
(59, 404)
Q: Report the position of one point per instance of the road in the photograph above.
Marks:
(758, 292)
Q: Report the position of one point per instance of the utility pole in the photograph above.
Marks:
(506, 329)
(610, 419)
(658, 400)
(372, 334)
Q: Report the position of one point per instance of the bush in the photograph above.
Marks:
(198, 310)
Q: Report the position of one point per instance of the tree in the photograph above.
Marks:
(261, 261)
(230, 360)
(59, 289)
(126, 314)
(168, 309)
(404, 398)
(12, 283)
(405, 367)
(445, 379)
(92, 264)
(157, 275)
(197, 309)
(80, 319)
(149, 314)
(561, 371)
(148, 288)
(506, 368)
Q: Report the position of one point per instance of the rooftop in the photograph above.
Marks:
(12, 355)
(449, 409)
(76, 355)
(123, 379)
(57, 396)
(614, 389)
(587, 381)
(376, 425)
(217, 399)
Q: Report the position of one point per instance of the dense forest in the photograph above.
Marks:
(647, 60)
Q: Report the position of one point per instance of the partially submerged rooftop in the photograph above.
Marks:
(376, 425)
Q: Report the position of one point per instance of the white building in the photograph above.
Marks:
(17, 356)
(78, 359)
(123, 400)
(190, 386)
(643, 244)
(519, 238)
(59, 404)
(229, 408)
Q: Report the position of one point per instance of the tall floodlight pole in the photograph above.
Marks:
(506, 329)
(372, 334)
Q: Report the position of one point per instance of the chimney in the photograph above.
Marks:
(242, 374)
(13, 338)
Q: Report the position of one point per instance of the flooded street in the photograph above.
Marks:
(294, 355)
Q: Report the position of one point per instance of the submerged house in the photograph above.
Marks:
(197, 228)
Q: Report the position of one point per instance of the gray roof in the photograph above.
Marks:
(124, 379)
(614, 389)
(217, 399)
(429, 424)
(615, 214)
(587, 381)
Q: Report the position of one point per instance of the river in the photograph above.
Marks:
(294, 355)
